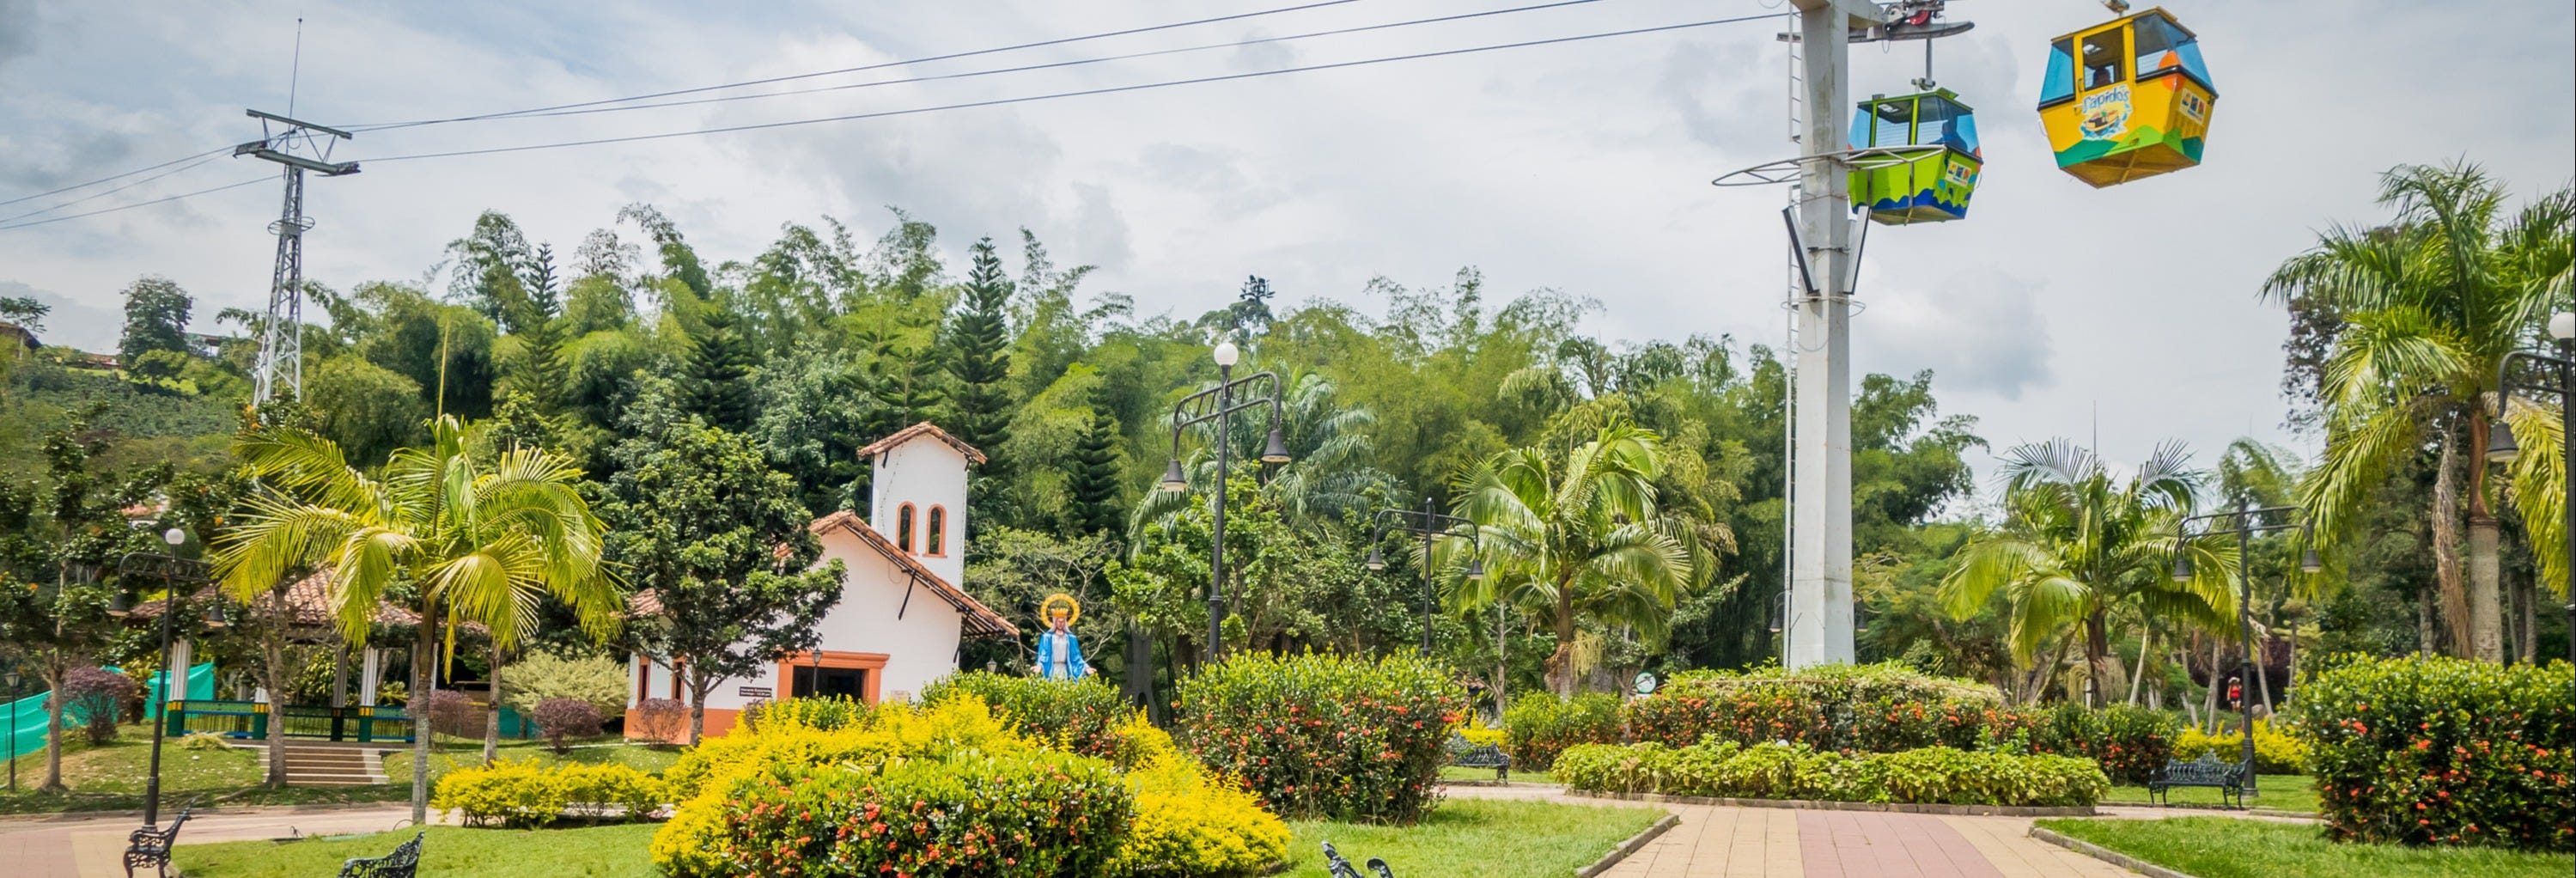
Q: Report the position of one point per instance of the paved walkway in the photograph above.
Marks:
(1783, 843)
(80, 846)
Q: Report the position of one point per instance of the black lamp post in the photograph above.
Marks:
(2244, 523)
(1429, 523)
(2559, 377)
(1218, 404)
(172, 570)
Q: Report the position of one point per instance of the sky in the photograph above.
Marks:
(2132, 314)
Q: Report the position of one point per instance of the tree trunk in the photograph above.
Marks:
(2486, 608)
(1502, 667)
(55, 669)
(2424, 623)
(2531, 621)
(2446, 546)
(492, 716)
(2146, 645)
(2097, 657)
(698, 687)
(1560, 664)
(2217, 654)
(272, 653)
(424, 679)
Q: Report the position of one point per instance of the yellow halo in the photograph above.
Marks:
(1060, 603)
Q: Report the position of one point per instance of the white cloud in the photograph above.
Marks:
(1978, 331)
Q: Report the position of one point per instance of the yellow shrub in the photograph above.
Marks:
(508, 792)
(2275, 752)
(1483, 736)
(1189, 822)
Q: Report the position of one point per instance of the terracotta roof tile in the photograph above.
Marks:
(917, 431)
(980, 620)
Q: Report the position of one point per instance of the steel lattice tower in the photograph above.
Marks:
(281, 345)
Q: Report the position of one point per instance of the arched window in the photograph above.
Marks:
(903, 527)
(938, 541)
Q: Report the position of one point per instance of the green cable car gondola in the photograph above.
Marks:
(1915, 157)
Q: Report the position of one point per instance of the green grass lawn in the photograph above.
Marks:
(110, 777)
(2280, 792)
(2232, 847)
(590, 852)
(1477, 838)
(1470, 838)
(1452, 772)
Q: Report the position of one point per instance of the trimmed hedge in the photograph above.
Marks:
(1539, 726)
(2443, 751)
(521, 794)
(2275, 752)
(1024, 815)
(2131, 743)
(1325, 736)
(1930, 775)
(1078, 716)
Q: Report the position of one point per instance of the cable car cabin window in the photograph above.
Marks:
(2059, 83)
(2163, 46)
(903, 527)
(2106, 61)
(1942, 121)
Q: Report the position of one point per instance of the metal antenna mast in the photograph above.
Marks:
(300, 147)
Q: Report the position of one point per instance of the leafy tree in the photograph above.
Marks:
(979, 362)
(2429, 308)
(1579, 537)
(722, 366)
(487, 274)
(2076, 544)
(24, 311)
(156, 318)
(60, 536)
(1093, 475)
(455, 538)
(815, 414)
(364, 408)
(719, 541)
(679, 261)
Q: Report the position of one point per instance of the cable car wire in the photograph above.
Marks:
(583, 111)
(263, 178)
(381, 126)
(880, 114)
(113, 177)
(201, 160)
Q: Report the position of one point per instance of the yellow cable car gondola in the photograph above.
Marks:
(2127, 99)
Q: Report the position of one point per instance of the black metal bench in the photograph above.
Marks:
(2207, 771)
(1466, 755)
(399, 864)
(1341, 868)
(150, 846)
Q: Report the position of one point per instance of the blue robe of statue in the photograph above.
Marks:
(1074, 668)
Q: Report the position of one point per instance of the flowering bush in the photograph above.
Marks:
(1033, 814)
(1190, 822)
(450, 712)
(516, 793)
(1540, 726)
(563, 719)
(1324, 735)
(1939, 775)
(1852, 708)
(2443, 751)
(2131, 743)
(97, 698)
(2275, 751)
(1077, 716)
(658, 719)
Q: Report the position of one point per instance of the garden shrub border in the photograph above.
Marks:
(1724, 772)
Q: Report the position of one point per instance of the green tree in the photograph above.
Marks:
(1092, 478)
(156, 318)
(2076, 544)
(1579, 537)
(979, 351)
(720, 542)
(454, 538)
(364, 408)
(722, 368)
(2429, 306)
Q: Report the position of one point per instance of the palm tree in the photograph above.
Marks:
(2075, 545)
(2430, 306)
(1579, 538)
(458, 539)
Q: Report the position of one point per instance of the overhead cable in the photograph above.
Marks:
(264, 178)
(113, 177)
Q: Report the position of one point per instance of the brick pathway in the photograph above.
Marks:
(1724, 842)
(94, 847)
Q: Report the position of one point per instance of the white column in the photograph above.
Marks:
(1820, 608)
(373, 667)
(174, 679)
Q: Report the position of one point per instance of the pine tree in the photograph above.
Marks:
(1092, 478)
(905, 385)
(539, 377)
(720, 388)
(979, 361)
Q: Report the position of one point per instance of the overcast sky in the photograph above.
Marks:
(1579, 166)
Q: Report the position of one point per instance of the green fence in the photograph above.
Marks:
(250, 719)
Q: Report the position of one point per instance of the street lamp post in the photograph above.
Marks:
(171, 570)
(2559, 378)
(1429, 523)
(1218, 404)
(2244, 523)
